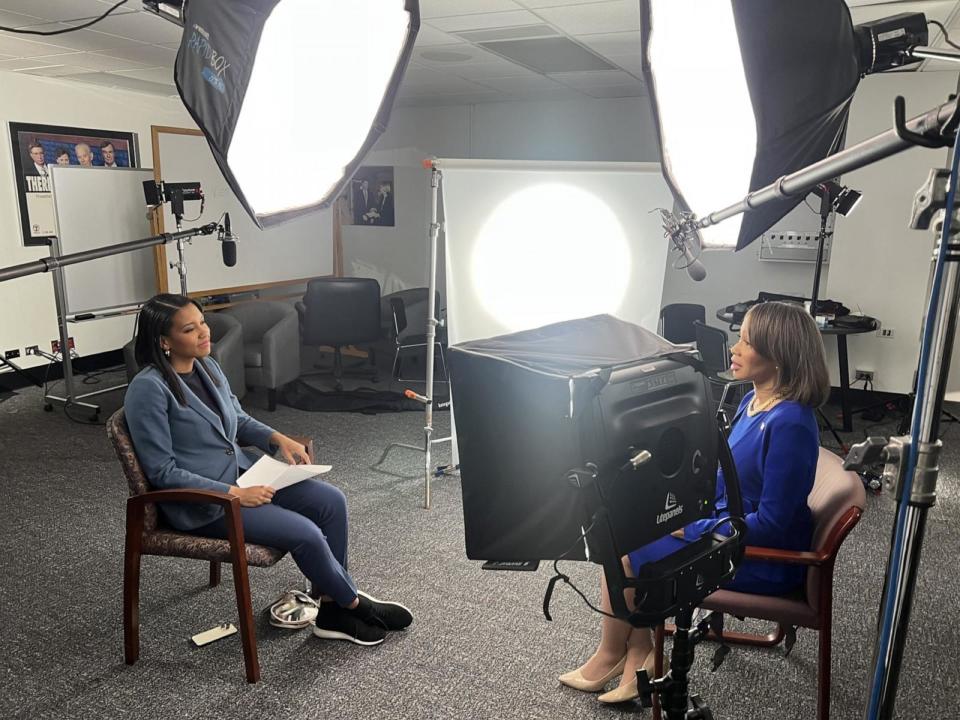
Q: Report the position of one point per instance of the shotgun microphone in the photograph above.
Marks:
(228, 242)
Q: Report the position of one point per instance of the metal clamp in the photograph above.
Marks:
(924, 490)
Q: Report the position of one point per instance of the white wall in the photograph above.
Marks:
(617, 129)
(879, 265)
(27, 309)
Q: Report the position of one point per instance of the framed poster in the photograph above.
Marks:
(371, 196)
(35, 148)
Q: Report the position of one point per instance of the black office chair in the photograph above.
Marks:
(715, 353)
(676, 321)
(407, 312)
(342, 311)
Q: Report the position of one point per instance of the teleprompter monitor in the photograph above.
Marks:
(587, 421)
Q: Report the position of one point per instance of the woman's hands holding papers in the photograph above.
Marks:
(290, 450)
(253, 496)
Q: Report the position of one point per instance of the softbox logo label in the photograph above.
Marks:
(670, 509)
(215, 64)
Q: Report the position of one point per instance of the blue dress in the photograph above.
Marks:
(775, 453)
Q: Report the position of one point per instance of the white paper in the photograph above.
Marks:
(277, 474)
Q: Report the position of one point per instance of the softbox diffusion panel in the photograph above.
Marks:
(532, 406)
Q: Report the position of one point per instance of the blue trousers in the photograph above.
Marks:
(308, 520)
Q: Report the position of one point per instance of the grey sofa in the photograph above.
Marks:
(226, 336)
(271, 344)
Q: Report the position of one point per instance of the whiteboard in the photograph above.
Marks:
(300, 248)
(94, 208)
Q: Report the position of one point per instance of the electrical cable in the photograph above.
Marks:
(946, 35)
(886, 626)
(67, 30)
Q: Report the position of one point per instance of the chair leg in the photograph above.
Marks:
(823, 671)
(337, 368)
(131, 584)
(131, 607)
(241, 583)
(214, 573)
(272, 399)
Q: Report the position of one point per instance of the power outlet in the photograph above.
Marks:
(55, 345)
(11, 354)
(886, 333)
(32, 350)
(859, 375)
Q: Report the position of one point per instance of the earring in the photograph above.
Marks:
(166, 351)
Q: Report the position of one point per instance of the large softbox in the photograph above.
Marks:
(291, 94)
(536, 411)
(698, 56)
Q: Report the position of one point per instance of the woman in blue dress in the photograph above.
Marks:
(775, 444)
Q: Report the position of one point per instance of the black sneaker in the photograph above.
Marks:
(336, 623)
(388, 615)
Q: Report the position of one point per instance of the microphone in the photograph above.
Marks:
(228, 243)
(685, 237)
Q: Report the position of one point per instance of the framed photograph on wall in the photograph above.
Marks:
(37, 148)
(371, 196)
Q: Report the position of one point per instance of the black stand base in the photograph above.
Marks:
(673, 689)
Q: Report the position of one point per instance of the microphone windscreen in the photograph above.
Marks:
(229, 250)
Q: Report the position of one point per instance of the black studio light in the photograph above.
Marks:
(841, 199)
(745, 92)
(290, 94)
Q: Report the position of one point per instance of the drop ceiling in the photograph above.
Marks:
(468, 51)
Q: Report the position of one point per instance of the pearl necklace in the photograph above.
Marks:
(753, 409)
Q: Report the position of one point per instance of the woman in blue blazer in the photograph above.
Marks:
(188, 428)
(775, 442)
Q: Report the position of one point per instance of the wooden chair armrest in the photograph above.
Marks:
(790, 557)
(184, 495)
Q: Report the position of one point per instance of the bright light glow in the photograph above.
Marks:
(548, 253)
(321, 72)
(709, 131)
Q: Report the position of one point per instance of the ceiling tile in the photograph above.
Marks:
(433, 56)
(599, 78)
(126, 83)
(446, 8)
(24, 63)
(486, 20)
(602, 17)
(428, 36)
(65, 9)
(17, 20)
(621, 43)
(466, 99)
(94, 61)
(522, 84)
(480, 71)
(161, 75)
(55, 71)
(18, 47)
(142, 26)
(534, 4)
(616, 91)
(80, 40)
(152, 55)
(633, 64)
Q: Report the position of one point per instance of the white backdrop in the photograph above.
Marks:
(529, 243)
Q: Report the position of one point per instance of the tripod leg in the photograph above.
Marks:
(833, 431)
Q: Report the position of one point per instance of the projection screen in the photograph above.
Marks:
(532, 243)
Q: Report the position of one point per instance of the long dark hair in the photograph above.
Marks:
(155, 319)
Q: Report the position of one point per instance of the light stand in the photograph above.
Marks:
(157, 193)
(911, 466)
(436, 177)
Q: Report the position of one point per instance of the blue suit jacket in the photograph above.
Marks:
(188, 446)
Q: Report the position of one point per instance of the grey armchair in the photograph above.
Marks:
(271, 344)
(226, 336)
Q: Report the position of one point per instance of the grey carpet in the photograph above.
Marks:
(480, 647)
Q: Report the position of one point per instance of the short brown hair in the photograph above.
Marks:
(786, 334)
